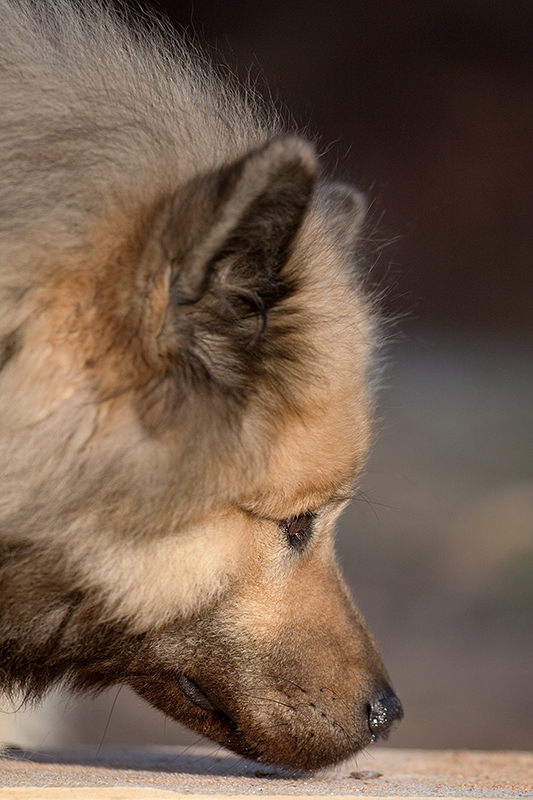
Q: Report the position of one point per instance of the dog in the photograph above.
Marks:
(186, 369)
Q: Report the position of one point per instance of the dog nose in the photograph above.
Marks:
(384, 714)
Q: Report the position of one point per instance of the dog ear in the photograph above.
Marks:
(232, 229)
(226, 234)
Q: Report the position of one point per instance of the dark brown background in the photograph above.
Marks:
(428, 106)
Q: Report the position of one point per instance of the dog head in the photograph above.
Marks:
(196, 382)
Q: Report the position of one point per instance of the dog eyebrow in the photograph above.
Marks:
(334, 500)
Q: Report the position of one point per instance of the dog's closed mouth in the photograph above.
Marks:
(202, 697)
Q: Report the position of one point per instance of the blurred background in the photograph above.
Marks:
(426, 105)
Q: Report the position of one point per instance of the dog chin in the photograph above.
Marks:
(302, 736)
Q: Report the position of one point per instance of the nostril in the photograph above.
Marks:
(384, 714)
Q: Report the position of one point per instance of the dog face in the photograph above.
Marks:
(282, 668)
(185, 407)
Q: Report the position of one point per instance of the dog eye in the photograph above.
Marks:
(298, 530)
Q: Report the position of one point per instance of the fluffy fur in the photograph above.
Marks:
(185, 359)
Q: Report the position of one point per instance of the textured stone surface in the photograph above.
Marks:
(379, 772)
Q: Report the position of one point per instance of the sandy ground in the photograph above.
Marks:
(379, 772)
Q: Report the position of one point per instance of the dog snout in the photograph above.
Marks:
(385, 713)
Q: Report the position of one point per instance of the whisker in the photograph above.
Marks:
(288, 680)
(106, 725)
(271, 700)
